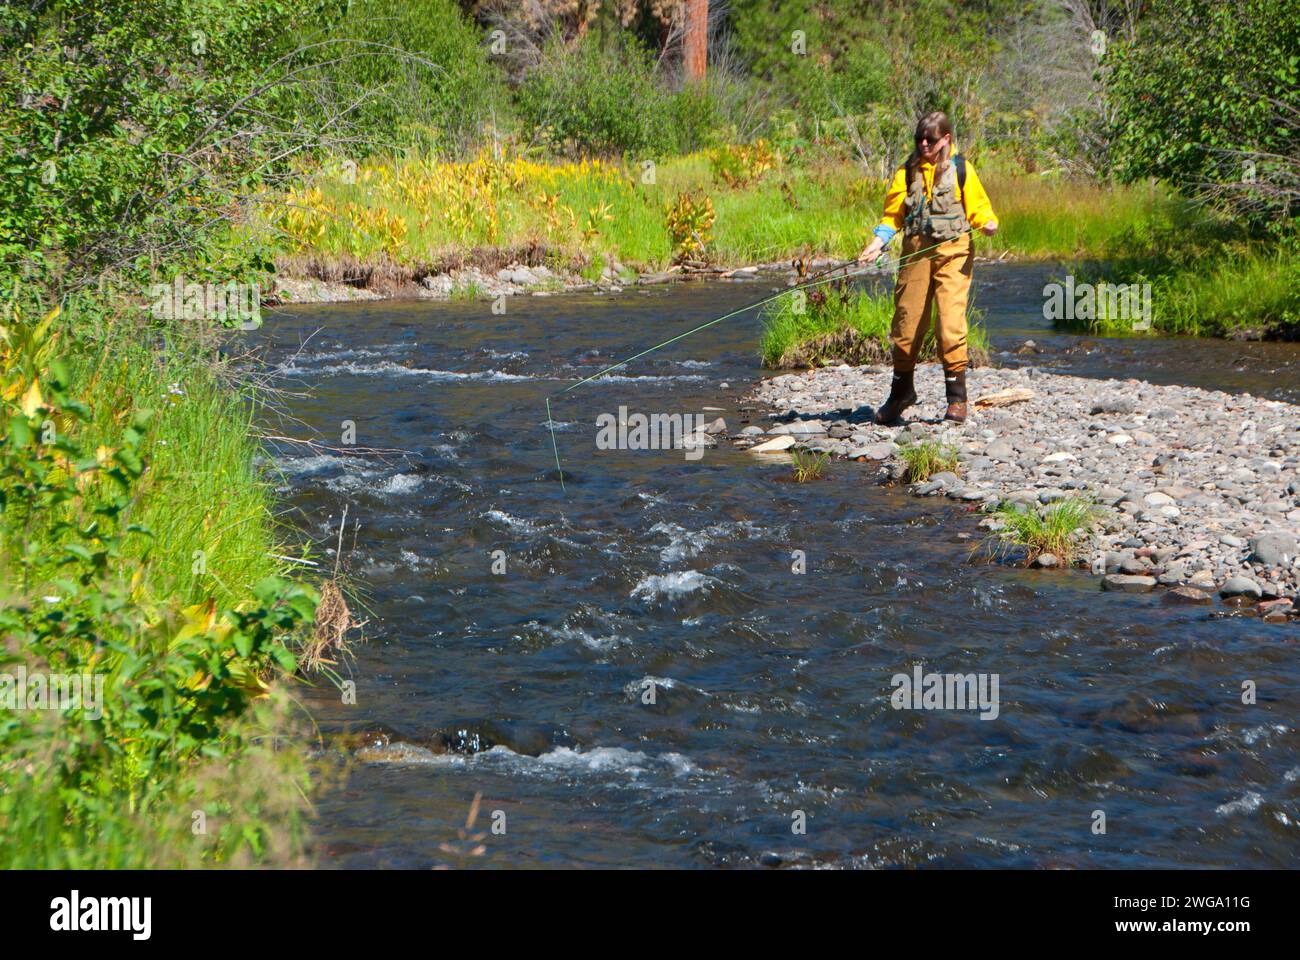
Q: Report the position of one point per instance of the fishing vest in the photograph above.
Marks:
(943, 216)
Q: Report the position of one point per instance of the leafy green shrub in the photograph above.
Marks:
(130, 129)
(99, 780)
(1205, 87)
(418, 73)
(596, 99)
(694, 118)
(689, 220)
(729, 106)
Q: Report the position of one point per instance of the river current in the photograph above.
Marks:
(669, 662)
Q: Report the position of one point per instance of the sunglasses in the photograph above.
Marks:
(925, 138)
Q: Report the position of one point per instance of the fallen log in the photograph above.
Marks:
(1004, 398)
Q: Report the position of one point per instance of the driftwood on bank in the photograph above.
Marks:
(1004, 398)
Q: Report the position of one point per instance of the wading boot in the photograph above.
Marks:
(955, 384)
(901, 396)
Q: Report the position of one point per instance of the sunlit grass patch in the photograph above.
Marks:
(808, 465)
(1060, 528)
(420, 209)
(922, 459)
(844, 326)
(1226, 290)
(1044, 217)
(210, 509)
(423, 210)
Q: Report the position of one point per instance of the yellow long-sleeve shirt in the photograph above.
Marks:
(975, 201)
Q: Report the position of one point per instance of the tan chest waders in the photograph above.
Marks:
(938, 277)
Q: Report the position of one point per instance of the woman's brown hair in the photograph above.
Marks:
(935, 126)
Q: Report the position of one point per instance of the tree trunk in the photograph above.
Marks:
(696, 39)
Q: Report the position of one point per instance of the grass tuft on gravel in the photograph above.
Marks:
(1058, 528)
(808, 465)
(844, 326)
(922, 459)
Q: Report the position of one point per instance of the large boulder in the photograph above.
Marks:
(1273, 549)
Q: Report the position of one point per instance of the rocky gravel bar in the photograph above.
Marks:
(511, 281)
(1199, 490)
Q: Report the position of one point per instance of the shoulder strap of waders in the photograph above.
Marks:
(959, 162)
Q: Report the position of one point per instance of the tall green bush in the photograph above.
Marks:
(1207, 96)
(596, 99)
(130, 129)
(162, 698)
(412, 74)
(846, 57)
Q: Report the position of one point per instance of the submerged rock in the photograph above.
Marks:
(1275, 611)
(1126, 583)
(400, 752)
(775, 445)
(1187, 594)
(479, 735)
(371, 735)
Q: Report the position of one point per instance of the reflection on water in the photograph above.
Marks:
(651, 577)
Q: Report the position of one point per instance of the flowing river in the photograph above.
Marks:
(518, 628)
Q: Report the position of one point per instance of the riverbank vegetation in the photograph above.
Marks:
(563, 136)
(1207, 276)
(1035, 532)
(839, 324)
(138, 550)
(922, 459)
(151, 619)
(1246, 291)
(1206, 97)
(406, 218)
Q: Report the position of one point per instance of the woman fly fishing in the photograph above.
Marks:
(936, 199)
